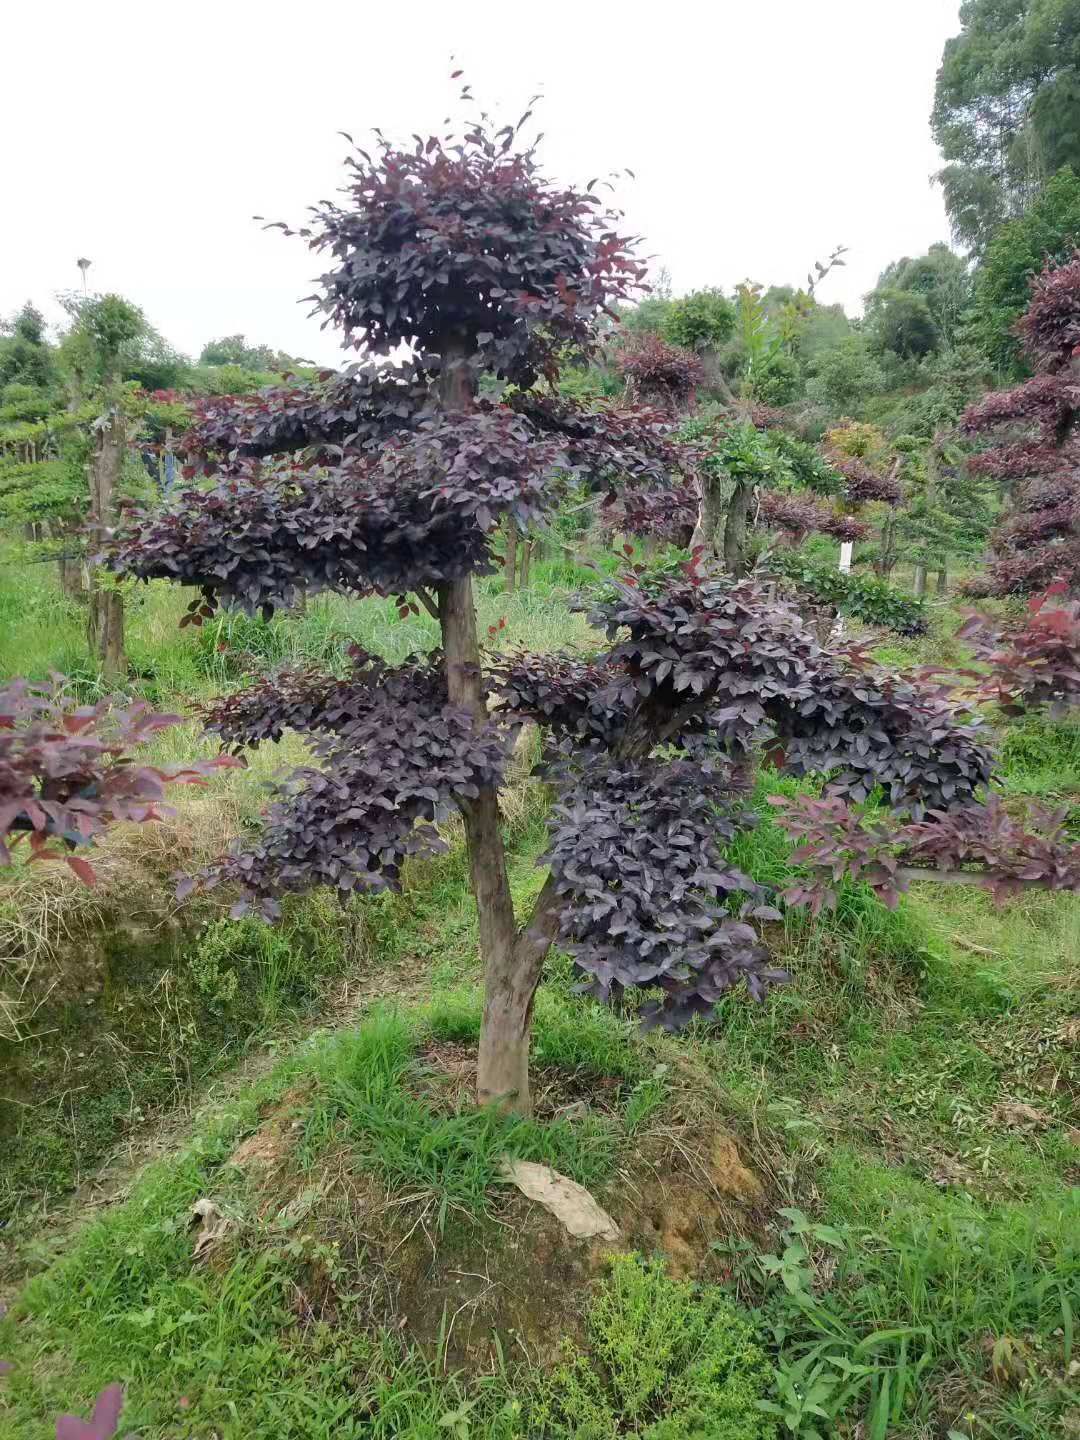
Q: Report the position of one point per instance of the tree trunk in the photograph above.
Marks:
(735, 529)
(105, 623)
(510, 563)
(70, 567)
(710, 511)
(513, 962)
(526, 562)
(919, 582)
(503, 1064)
(942, 580)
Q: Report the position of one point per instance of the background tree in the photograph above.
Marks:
(235, 350)
(1048, 231)
(844, 377)
(26, 358)
(1005, 108)
(106, 333)
(701, 321)
(1037, 459)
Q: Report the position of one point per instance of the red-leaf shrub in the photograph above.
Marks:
(862, 484)
(66, 771)
(1011, 852)
(1038, 454)
(658, 373)
(1035, 664)
(801, 514)
(1050, 327)
(668, 513)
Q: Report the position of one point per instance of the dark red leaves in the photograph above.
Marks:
(801, 514)
(659, 374)
(1034, 664)
(1038, 542)
(1010, 852)
(466, 239)
(66, 772)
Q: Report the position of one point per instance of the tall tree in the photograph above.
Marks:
(106, 332)
(1037, 455)
(1048, 231)
(919, 302)
(1005, 109)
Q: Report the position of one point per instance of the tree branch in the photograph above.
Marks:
(980, 879)
(429, 602)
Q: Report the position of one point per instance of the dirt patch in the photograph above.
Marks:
(515, 1282)
(268, 1147)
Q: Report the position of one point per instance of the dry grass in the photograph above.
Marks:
(49, 918)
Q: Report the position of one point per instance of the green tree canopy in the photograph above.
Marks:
(935, 291)
(702, 320)
(26, 358)
(843, 377)
(235, 350)
(1006, 109)
(1049, 230)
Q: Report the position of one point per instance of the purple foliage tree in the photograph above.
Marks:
(394, 481)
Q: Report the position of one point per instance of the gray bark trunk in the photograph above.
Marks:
(510, 563)
(735, 529)
(105, 622)
(710, 512)
(512, 961)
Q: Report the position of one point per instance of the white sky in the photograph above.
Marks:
(762, 133)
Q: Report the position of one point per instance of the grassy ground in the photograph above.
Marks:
(908, 1269)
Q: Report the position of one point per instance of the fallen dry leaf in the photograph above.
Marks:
(213, 1226)
(1015, 1115)
(569, 1202)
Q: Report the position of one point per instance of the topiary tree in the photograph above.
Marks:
(464, 251)
(1037, 457)
(659, 374)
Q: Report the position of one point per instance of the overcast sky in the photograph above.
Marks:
(762, 133)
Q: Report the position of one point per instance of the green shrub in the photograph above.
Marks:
(668, 1360)
(863, 597)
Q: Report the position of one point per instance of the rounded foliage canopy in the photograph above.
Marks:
(463, 242)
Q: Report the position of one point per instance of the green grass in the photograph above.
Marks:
(936, 1288)
(43, 632)
(379, 1098)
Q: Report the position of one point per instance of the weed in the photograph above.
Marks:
(667, 1360)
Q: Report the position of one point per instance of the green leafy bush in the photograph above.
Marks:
(862, 597)
(668, 1360)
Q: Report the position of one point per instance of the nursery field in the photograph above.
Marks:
(857, 1203)
(540, 852)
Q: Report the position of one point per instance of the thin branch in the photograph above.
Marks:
(981, 879)
(430, 604)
